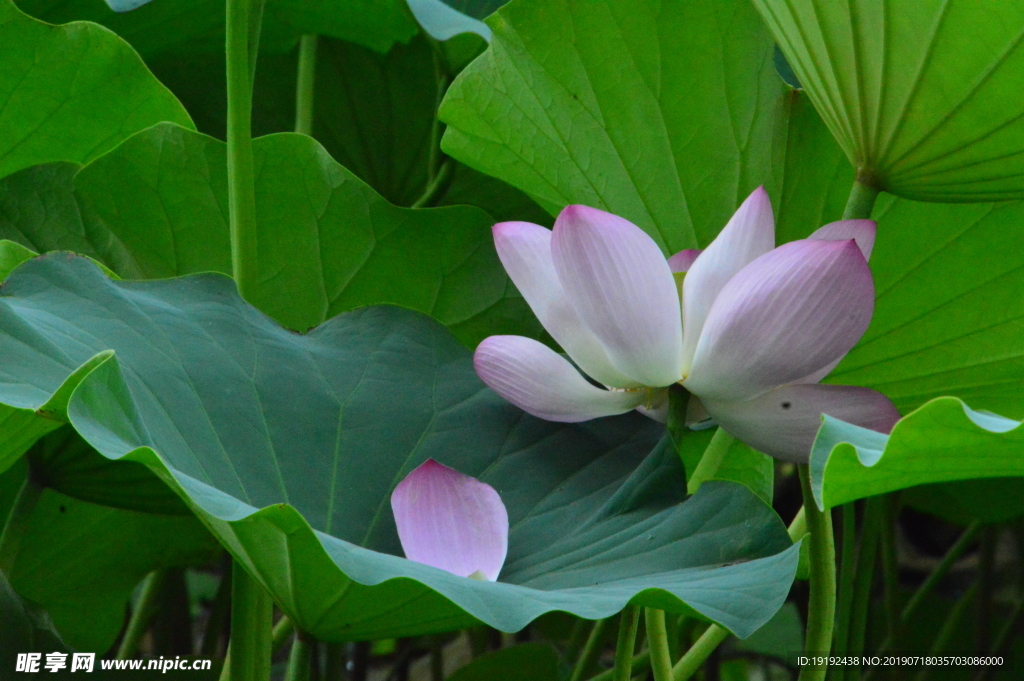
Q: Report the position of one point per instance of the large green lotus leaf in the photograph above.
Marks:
(157, 207)
(288, 447)
(24, 627)
(942, 441)
(198, 25)
(82, 561)
(923, 95)
(948, 282)
(71, 92)
(372, 112)
(668, 114)
(988, 500)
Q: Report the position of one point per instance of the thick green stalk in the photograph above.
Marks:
(241, 24)
(845, 598)
(700, 651)
(861, 201)
(821, 609)
(305, 87)
(710, 461)
(657, 642)
(17, 522)
(145, 607)
(280, 634)
(437, 187)
(334, 664)
(251, 619)
(890, 571)
(300, 658)
(628, 624)
(591, 651)
(948, 628)
(874, 513)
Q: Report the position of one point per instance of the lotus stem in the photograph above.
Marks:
(657, 642)
(861, 201)
(890, 571)
(628, 624)
(243, 21)
(590, 653)
(251, 637)
(145, 607)
(952, 555)
(305, 87)
(846, 573)
(864, 577)
(692, 660)
(281, 633)
(301, 657)
(821, 609)
(710, 461)
(949, 627)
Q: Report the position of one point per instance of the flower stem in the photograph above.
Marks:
(712, 637)
(821, 608)
(242, 44)
(305, 87)
(300, 658)
(251, 637)
(657, 641)
(845, 598)
(861, 201)
(940, 570)
(710, 461)
(145, 608)
(627, 641)
(591, 651)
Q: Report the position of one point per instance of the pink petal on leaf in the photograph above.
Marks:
(749, 234)
(451, 521)
(785, 421)
(683, 260)
(525, 251)
(618, 280)
(861, 231)
(787, 314)
(541, 382)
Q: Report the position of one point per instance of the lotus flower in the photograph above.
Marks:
(749, 333)
(451, 521)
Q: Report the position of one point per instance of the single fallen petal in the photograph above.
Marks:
(683, 260)
(786, 315)
(749, 234)
(525, 251)
(861, 231)
(618, 280)
(784, 422)
(541, 382)
(451, 521)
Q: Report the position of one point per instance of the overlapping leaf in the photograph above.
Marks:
(235, 413)
(157, 207)
(71, 93)
(942, 441)
(668, 114)
(923, 95)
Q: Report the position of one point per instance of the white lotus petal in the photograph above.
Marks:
(541, 382)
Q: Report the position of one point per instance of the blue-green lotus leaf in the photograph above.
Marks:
(288, 447)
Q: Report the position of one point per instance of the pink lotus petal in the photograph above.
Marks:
(785, 421)
(525, 251)
(785, 315)
(683, 260)
(541, 382)
(749, 234)
(451, 521)
(861, 231)
(618, 280)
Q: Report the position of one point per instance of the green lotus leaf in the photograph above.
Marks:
(288, 446)
(442, 21)
(198, 25)
(944, 440)
(24, 627)
(923, 95)
(157, 207)
(534, 661)
(82, 561)
(668, 114)
(71, 93)
(961, 502)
